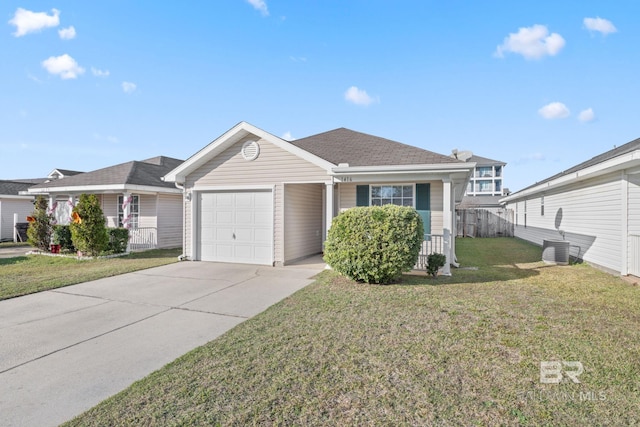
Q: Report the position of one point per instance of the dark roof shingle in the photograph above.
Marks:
(13, 188)
(360, 149)
(147, 172)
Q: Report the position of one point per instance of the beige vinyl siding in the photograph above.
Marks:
(7, 208)
(278, 225)
(347, 199)
(302, 220)
(274, 166)
(589, 215)
(187, 207)
(169, 220)
(147, 217)
(110, 209)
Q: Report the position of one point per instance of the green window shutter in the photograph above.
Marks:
(362, 195)
(423, 197)
(423, 205)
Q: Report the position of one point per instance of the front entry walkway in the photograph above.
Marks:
(63, 351)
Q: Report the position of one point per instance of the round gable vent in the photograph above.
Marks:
(250, 150)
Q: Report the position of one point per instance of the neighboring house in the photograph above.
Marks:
(132, 195)
(13, 206)
(485, 188)
(252, 197)
(594, 205)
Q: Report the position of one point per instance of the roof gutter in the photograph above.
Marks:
(370, 170)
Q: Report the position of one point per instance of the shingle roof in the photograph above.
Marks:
(146, 172)
(67, 172)
(360, 149)
(618, 151)
(13, 188)
(482, 161)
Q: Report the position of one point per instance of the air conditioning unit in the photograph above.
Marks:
(555, 251)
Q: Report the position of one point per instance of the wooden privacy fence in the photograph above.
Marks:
(484, 223)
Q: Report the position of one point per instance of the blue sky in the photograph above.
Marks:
(541, 86)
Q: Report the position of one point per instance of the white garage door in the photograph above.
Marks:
(236, 227)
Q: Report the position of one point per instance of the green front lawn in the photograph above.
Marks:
(464, 350)
(34, 273)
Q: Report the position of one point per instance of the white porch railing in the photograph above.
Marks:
(434, 243)
(143, 238)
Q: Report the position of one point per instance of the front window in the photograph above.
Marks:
(134, 211)
(401, 195)
(498, 186)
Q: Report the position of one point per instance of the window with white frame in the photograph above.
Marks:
(134, 211)
(401, 195)
(484, 186)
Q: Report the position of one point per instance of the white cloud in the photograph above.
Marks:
(587, 115)
(287, 136)
(298, 58)
(554, 110)
(128, 87)
(67, 33)
(600, 25)
(359, 96)
(260, 5)
(64, 66)
(27, 21)
(99, 73)
(531, 42)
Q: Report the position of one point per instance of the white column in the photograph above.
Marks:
(447, 223)
(328, 207)
(126, 211)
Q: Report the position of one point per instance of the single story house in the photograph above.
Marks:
(594, 205)
(252, 197)
(14, 207)
(132, 195)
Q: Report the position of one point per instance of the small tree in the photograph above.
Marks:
(39, 231)
(88, 230)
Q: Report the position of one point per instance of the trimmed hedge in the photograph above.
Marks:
(62, 237)
(39, 231)
(118, 240)
(374, 244)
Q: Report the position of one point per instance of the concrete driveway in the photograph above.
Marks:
(64, 351)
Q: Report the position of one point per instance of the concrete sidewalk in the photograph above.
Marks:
(64, 351)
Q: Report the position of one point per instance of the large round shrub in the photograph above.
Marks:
(374, 244)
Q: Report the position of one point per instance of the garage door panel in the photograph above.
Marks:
(237, 227)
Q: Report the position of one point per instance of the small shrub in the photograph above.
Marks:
(62, 236)
(88, 230)
(118, 240)
(39, 231)
(374, 244)
(434, 262)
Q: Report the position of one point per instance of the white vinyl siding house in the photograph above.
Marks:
(20, 206)
(307, 186)
(595, 206)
